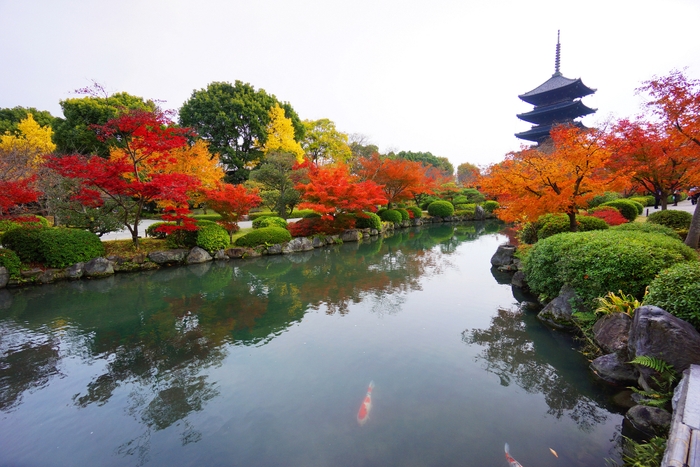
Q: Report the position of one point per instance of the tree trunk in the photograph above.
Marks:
(694, 232)
(573, 226)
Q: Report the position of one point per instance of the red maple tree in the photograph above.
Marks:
(231, 202)
(14, 194)
(132, 177)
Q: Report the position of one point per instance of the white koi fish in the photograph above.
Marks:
(366, 406)
(512, 462)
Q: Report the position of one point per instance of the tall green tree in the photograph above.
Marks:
(234, 119)
(74, 133)
(10, 118)
(323, 143)
(426, 158)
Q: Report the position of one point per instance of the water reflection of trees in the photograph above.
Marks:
(155, 332)
(519, 350)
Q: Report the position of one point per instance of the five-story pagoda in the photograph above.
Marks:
(557, 101)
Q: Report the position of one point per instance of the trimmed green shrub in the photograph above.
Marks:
(604, 198)
(460, 199)
(6, 225)
(441, 209)
(53, 247)
(368, 220)
(638, 205)
(552, 224)
(212, 237)
(490, 205)
(404, 214)
(257, 215)
(311, 215)
(264, 236)
(269, 221)
(528, 233)
(10, 261)
(648, 227)
(417, 212)
(25, 242)
(643, 200)
(588, 223)
(427, 201)
(473, 196)
(153, 233)
(677, 290)
(392, 215)
(595, 263)
(677, 220)
(207, 217)
(627, 208)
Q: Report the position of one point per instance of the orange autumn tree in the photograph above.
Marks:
(400, 179)
(530, 183)
(231, 202)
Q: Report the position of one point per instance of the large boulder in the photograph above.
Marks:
(612, 331)
(651, 421)
(98, 267)
(479, 213)
(75, 272)
(504, 255)
(198, 255)
(351, 235)
(559, 312)
(297, 244)
(613, 368)
(656, 333)
(168, 257)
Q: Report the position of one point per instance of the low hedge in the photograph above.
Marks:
(441, 209)
(269, 221)
(10, 261)
(588, 223)
(417, 212)
(391, 215)
(595, 263)
(54, 247)
(643, 200)
(264, 236)
(604, 198)
(648, 227)
(368, 220)
(626, 207)
(677, 220)
(677, 290)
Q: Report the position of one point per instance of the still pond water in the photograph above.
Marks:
(266, 362)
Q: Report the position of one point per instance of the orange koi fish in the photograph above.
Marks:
(512, 462)
(366, 406)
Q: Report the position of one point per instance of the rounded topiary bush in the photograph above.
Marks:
(10, 261)
(368, 220)
(677, 220)
(212, 237)
(604, 198)
(25, 242)
(53, 247)
(391, 215)
(637, 204)
(427, 201)
(264, 236)
(552, 224)
(648, 227)
(269, 221)
(417, 212)
(404, 214)
(587, 223)
(627, 208)
(441, 209)
(677, 290)
(595, 263)
(490, 205)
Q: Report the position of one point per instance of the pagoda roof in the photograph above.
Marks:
(539, 133)
(555, 89)
(567, 110)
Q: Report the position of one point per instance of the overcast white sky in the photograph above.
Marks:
(440, 75)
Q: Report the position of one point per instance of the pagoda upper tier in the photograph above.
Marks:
(557, 101)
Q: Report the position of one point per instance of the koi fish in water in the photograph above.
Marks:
(512, 462)
(366, 406)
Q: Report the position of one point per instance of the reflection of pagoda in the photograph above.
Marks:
(556, 101)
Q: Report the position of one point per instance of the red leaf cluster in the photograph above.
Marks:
(231, 202)
(610, 215)
(327, 225)
(15, 193)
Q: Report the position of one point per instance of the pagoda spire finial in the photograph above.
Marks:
(557, 58)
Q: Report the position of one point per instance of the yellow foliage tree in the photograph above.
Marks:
(280, 135)
(22, 154)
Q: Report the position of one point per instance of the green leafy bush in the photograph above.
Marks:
(490, 205)
(588, 223)
(441, 209)
(368, 220)
(264, 236)
(627, 208)
(212, 237)
(391, 215)
(637, 204)
(648, 227)
(643, 200)
(207, 217)
(269, 221)
(552, 224)
(677, 220)
(10, 261)
(404, 214)
(417, 212)
(311, 215)
(257, 215)
(53, 247)
(595, 263)
(427, 201)
(473, 196)
(604, 198)
(6, 225)
(677, 290)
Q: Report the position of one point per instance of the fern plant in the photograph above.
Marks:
(613, 303)
(649, 454)
(666, 377)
